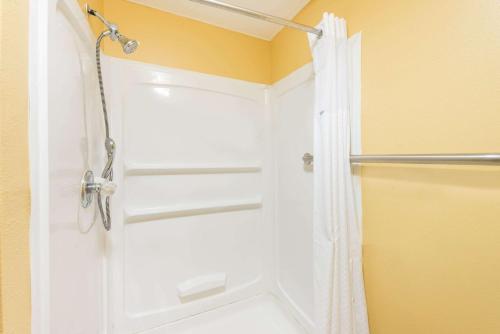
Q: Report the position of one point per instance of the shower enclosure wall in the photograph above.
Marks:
(212, 217)
(198, 223)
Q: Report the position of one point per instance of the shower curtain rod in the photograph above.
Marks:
(259, 15)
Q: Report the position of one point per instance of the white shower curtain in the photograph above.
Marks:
(340, 305)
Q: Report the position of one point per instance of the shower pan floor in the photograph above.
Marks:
(262, 315)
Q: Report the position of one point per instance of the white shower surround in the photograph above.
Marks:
(246, 183)
(201, 204)
(209, 185)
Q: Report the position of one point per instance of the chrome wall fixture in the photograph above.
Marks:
(103, 186)
(260, 16)
(308, 160)
(484, 159)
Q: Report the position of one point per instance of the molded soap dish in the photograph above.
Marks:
(201, 285)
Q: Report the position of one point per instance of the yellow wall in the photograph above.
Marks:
(431, 83)
(14, 171)
(175, 41)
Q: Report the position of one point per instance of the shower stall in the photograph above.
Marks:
(211, 219)
(195, 214)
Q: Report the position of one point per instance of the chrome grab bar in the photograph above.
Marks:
(486, 159)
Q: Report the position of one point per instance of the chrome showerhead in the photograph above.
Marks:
(128, 45)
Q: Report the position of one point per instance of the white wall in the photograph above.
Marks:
(74, 144)
(293, 101)
(191, 170)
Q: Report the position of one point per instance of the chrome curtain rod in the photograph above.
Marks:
(258, 15)
(430, 159)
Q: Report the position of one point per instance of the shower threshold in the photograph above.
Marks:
(262, 314)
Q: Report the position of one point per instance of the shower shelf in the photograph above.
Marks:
(182, 210)
(159, 169)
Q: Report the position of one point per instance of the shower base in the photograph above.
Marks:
(262, 315)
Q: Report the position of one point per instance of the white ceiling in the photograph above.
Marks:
(237, 22)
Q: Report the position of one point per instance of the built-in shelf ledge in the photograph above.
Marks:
(175, 211)
(157, 169)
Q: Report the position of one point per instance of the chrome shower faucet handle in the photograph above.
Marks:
(91, 185)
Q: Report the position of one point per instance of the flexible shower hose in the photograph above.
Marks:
(107, 172)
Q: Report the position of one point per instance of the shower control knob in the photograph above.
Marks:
(106, 188)
(91, 185)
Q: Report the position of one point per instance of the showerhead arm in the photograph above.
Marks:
(111, 26)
